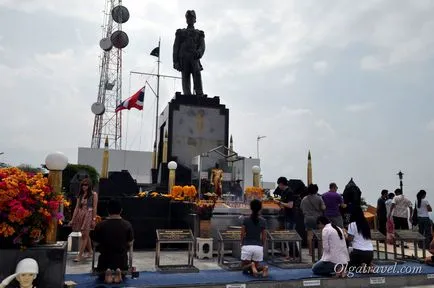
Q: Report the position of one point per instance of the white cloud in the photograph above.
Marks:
(289, 78)
(430, 125)
(323, 124)
(360, 107)
(320, 67)
(300, 112)
(371, 63)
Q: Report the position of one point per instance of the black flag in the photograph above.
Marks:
(155, 52)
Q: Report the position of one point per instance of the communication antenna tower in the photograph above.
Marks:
(108, 123)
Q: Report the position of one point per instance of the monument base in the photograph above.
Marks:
(194, 126)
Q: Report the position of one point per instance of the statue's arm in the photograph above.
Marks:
(201, 47)
(176, 45)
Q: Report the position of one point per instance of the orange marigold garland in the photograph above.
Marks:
(254, 193)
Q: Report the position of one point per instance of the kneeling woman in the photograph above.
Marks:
(335, 253)
(359, 234)
(252, 240)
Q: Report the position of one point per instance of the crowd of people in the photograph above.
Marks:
(345, 243)
(346, 236)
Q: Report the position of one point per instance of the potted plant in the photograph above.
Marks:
(204, 210)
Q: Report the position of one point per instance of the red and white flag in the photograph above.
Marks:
(135, 101)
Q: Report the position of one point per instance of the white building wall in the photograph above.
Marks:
(138, 163)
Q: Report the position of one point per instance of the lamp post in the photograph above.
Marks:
(56, 162)
(256, 176)
(172, 168)
(257, 145)
(400, 174)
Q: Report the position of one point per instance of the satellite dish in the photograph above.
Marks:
(106, 44)
(120, 14)
(98, 108)
(119, 39)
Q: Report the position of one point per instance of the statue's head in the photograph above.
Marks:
(190, 16)
(26, 271)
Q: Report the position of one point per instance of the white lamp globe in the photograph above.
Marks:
(56, 161)
(256, 169)
(172, 165)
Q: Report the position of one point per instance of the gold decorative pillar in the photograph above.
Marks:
(105, 160)
(56, 163)
(256, 176)
(165, 147)
(172, 174)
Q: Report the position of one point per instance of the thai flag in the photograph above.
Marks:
(135, 101)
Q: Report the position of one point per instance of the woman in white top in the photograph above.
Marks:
(359, 234)
(335, 252)
(389, 201)
(423, 221)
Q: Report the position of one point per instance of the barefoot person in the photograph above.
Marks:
(359, 234)
(113, 238)
(252, 240)
(335, 252)
(84, 217)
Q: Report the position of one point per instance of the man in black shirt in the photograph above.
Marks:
(287, 203)
(382, 212)
(113, 238)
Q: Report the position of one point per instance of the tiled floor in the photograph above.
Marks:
(145, 261)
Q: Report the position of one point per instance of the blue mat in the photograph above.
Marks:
(223, 277)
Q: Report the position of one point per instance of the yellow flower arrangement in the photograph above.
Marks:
(254, 192)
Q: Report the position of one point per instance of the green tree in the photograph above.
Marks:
(30, 169)
(73, 169)
(4, 165)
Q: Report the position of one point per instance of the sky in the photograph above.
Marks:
(349, 81)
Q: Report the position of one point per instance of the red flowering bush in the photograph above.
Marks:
(27, 205)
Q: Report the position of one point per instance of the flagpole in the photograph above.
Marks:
(157, 109)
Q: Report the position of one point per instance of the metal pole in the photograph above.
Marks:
(257, 145)
(158, 100)
(153, 74)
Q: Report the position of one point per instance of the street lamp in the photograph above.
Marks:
(257, 145)
(400, 174)
(256, 170)
(56, 162)
(172, 165)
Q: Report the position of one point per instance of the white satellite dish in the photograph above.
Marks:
(98, 108)
(106, 44)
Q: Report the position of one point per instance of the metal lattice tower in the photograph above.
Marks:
(108, 123)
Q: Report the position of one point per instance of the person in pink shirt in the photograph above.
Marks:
(335, 252)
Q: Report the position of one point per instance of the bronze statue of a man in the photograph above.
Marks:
(188, 48)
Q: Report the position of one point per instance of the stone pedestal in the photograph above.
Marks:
(51, 260)
(204, 248)
(194, 125)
